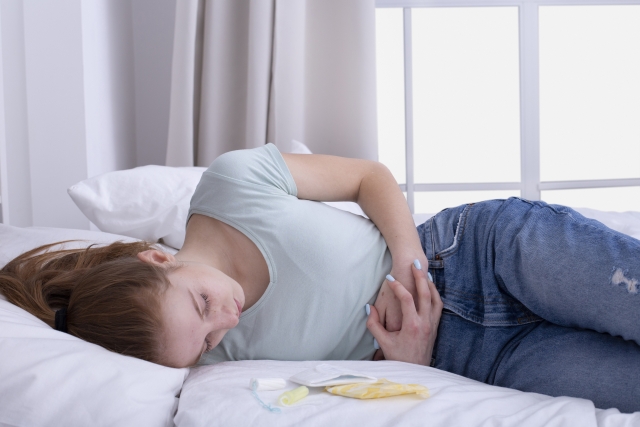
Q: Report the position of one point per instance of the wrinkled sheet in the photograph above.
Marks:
(219, 395)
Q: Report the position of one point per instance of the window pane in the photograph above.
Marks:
(466, 94)
(589, 92)
(605, 199)
(435, 201)
(390, 86)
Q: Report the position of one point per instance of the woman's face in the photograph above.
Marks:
(198, 308)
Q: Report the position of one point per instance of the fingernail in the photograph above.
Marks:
(367, 308)
(417, 264)
(375, 344)
(390, 278)
(430, 277)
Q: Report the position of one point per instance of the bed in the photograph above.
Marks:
(50, 378)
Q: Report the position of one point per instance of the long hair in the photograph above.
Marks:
(112, 298)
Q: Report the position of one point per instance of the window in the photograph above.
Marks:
(483, 99)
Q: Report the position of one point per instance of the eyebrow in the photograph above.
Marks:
(197, 307)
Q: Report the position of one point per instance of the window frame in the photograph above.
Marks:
(530, 185)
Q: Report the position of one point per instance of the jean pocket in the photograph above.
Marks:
(452, 230)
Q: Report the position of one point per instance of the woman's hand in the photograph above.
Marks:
(387, 304)
(415, 340)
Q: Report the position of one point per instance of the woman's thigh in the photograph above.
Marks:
(472, 350)
(504, 267)
(543, 358)
(567, 269)
(513, 262)
(560, 361)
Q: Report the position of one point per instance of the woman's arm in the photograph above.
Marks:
(371, 185)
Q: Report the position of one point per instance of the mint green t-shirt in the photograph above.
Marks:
(324, 264)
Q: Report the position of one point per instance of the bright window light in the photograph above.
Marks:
(589, 93)
(466, 100)
(466, 94)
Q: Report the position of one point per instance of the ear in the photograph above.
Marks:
(154, 256)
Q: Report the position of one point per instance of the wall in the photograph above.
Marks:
(15, 133)
(86, 88)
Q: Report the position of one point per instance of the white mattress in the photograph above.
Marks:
(219, 395)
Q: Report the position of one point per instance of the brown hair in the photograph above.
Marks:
(112, 298)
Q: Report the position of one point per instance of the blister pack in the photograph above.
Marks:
(325, 375)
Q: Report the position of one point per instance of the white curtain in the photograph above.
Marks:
(248, 72)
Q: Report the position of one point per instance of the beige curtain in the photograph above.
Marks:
(248, 72)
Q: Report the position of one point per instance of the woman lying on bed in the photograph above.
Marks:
(510, 292)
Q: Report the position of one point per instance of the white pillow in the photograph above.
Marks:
(148, 202)
(52, 378)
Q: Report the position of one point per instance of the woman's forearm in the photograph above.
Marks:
(381, 199)
(371, 185)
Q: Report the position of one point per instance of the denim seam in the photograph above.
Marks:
(613, 233)
(574, 219)
(481, 320)
(474, 297)
(433, 244)
(460, 228)
(497, 304)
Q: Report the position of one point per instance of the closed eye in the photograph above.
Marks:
(205, 297)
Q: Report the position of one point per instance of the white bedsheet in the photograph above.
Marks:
(219, 395)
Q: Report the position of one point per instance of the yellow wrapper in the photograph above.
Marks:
(381, 388)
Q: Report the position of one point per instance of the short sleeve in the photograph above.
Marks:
(261, 166)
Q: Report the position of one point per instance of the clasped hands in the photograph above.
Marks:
(406, 327)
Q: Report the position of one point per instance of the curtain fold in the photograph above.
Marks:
(186, 70)
(248, 72)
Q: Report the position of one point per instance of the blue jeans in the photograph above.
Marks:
(537, 298)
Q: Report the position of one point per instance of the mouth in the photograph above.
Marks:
(239, 307)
